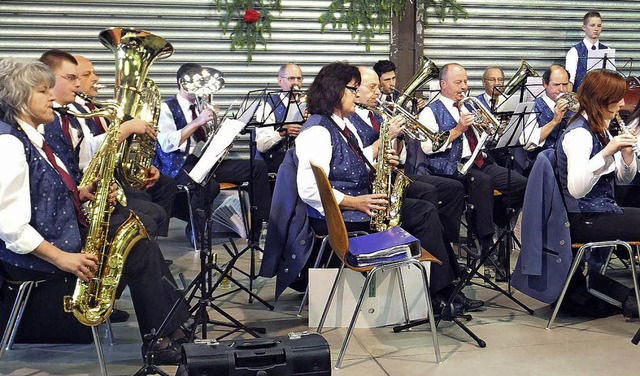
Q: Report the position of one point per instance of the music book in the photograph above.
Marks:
(228, 216)
(393, 244)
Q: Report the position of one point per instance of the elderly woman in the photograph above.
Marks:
(324, 139)
(589, 160)
(42, 227)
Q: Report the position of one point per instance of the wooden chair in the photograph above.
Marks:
(339, 240)
(24, 290)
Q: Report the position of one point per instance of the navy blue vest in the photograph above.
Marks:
(445, 162)
(367, 134)
(279, 109)
(581, 69)
(170, 163)
(52, 212)
(484, 101)
(347, 173)
(600, 198)
(90, 122)
(62, 146)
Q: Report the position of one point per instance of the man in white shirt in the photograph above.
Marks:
(576, 59)
(272, 141)
(492, 78)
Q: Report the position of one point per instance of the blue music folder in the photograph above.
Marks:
(393, 244)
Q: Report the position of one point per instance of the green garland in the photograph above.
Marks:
(366, 17)
(250, 20)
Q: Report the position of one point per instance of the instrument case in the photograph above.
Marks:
(288, 355)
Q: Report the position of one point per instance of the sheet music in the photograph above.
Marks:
(216, 150)
(517, 125)
(605, 58)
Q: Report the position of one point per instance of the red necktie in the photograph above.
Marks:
(65, 127)
(352, 142)
(472, 140)
(374, 122)
(199, 134)
(100, 126)
(69, 182)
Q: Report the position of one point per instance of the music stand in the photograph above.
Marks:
(601, 59)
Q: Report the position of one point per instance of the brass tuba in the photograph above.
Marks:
(137, 151)
(203, 83)
(516, 81)
(428, 71)
(135, 50)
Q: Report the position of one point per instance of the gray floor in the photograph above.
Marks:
(517, 343)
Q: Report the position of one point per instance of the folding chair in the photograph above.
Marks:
(339, 241)
(24, 290)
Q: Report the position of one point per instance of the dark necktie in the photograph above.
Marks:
(64, 122)
(99, 125)
(388, 98)
(604, 140)
(594, 47)
(374, 122)
(352, 142)
(69, 182)
(473, 142)
(199, 134)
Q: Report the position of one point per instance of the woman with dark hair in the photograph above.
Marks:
(330, 140)
(42, 226)
(589, 160)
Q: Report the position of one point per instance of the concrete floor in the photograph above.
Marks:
(517, 343)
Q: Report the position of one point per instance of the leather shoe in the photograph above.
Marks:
(118, 315)
(467, 303)
(170, 355)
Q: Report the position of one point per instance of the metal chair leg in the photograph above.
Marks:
(432, 321)
(334, 288)
(16, 315)
(191, 218)
(96, 341)
(109, 332)
(572, 271)
(403, 295)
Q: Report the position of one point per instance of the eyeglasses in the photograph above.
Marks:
(353, 89)
(494, 79)
(293, 78)
(70, 77)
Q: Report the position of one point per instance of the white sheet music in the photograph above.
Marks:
(605, 58)
(216, 150)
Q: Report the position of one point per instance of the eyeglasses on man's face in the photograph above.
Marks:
(70, 77)
(293, 78)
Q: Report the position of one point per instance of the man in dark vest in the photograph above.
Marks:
(443, 114)
(179, 131)
(576, 60)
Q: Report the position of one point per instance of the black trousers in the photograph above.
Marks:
(445, 194)
(153, 289)
(420, 218)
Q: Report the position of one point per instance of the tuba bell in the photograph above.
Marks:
(203, 83)
(428, 71)
(515, 82)
(135, 51)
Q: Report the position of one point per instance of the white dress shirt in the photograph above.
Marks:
(15, 191)
(584, 172)
(427, 118)
(268, 137)
(571, 60)
(314, 145)
(168, 133)
(530, 136)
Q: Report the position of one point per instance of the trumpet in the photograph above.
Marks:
(485, 123)
(572, 100)
(414, 128)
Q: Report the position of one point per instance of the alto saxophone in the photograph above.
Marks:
(382, 220)
(92, 301)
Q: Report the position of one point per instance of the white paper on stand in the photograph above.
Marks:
(216, 149)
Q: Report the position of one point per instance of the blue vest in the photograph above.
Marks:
(367, 134)
(52, 211)
(581, 69)
(484, 101)
(62, 146)
(347, 173)
(600, 198)
(170, 163)
(90, 122)
(279, 109)
(445, 162)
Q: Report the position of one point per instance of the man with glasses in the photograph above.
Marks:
(273, 141)
(492, 79)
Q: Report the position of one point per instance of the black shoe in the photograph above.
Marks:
(630, 308)
(467, 303)
(167, 356)
(118, 315)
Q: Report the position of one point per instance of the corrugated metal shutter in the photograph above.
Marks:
(501, 32)
(27, 28)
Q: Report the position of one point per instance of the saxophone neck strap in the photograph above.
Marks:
(353, 144)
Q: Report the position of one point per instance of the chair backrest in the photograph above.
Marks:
(338, 237)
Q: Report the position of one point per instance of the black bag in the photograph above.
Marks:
(288, 355)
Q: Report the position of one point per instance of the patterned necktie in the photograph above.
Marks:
(98, 120)
(374, 122)
(594, 47)
(68, 181)
(199, 134)
(473, 141)
(64, 122)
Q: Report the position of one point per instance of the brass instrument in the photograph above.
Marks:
(413, 127)
(572, 100)
(624, 129)
(203, 83)
(136, 153)
(135, 50)
(390, 216)
(519, 78)
(428, 71)
(485, 124)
